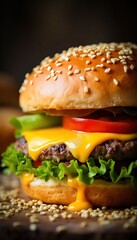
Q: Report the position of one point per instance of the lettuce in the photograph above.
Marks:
(34, 121)
(17, 163)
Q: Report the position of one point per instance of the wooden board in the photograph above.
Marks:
(18, 226)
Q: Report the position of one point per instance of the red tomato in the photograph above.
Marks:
(37, 163)
(119, 125)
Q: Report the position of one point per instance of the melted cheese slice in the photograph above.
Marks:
(27, 178)
(81, 202)
(80, 144)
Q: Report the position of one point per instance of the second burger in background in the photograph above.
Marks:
(92, 159)
(9, 107)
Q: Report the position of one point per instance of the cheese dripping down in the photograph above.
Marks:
(81, 202)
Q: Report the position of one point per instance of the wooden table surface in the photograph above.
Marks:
(18, 226)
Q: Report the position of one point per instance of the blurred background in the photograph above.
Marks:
(33, 29)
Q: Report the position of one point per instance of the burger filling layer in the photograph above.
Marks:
(80, 157)
(115, 149)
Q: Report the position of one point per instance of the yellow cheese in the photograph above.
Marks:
(81, 201)
(80, 144)
(27, 178)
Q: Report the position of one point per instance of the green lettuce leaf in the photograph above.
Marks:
(34, 121)
(17, 163)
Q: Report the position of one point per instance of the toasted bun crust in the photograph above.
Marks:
(90, 77)
(99, 193)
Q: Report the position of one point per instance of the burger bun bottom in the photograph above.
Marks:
(100, 193)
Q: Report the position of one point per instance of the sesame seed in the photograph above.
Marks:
(107, 70)
(113, 60)
(22, 89)
(83, 55)
(39, 71)
(49, 68)
(59, 71)
(83, 224)
(125, 68)
(58, 64)
(31, 82)
(86, 89)
(58, 61)
(48, 77)
(16, 224)
(115, 81)
(55, 78)
(84, 214)
(25, 81)
(52, 74)
(130, 58)
(33, 227)
(116, 59)
(70, 67)
(77, 71)
(93, 68)
(66, 58)
(75, 54)
(82, 78)
(103, 59)
(51, 218)
(104, 208)
(96, 79)
(98, 53)
(108, 54)
(87, 69)
(57, 55)
(92, 56)
(41, 67)
(35, 75)
(122, 60)
(108, 61)
(35, 69)
(70, 73)
(33, 219)
(61, 228)
(132, 66)
(88, 62)
(121, 52)
(99, 65)
(120, 57)
(26, 75)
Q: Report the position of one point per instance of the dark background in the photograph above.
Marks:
(33, 29)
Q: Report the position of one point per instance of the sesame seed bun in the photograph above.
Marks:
(100, 193)
(84, 78)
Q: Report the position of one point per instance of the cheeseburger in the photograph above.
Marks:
(78, 143)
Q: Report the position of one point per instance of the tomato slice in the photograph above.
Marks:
(37, 163)
(119, 125)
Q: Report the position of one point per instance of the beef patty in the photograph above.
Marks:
(115, 149)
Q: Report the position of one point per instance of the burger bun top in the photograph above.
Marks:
(83, 79)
